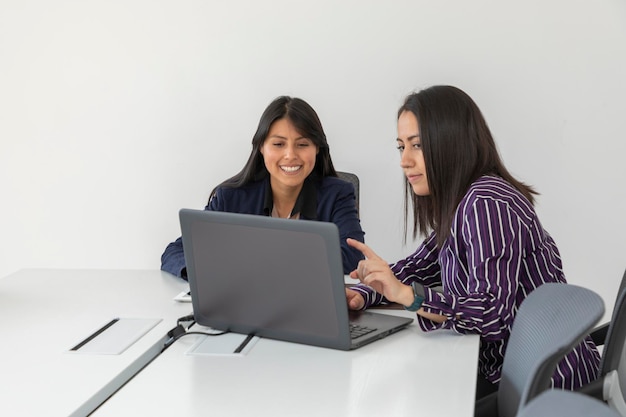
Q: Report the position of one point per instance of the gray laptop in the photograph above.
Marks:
(275, 278)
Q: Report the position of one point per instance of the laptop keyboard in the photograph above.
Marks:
(358, 331)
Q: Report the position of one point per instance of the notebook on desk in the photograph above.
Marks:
(275, 278)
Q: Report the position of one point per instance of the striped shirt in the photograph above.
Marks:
(496, 254)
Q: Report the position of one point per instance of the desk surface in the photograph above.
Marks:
(409, 373)
(44, 313)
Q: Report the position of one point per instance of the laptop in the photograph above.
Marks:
(275, 278)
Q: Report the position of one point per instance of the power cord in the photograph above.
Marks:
(183, 319)
(180, 330)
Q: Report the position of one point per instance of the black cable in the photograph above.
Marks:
(180, 331)
(190, 318)
(203, 333)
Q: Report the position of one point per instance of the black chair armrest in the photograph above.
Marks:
(487, 406)
(593, 389)
(598, 335)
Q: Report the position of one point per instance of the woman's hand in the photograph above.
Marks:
(375, 273)
(355, 300)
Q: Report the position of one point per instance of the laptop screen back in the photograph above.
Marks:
(269, 277)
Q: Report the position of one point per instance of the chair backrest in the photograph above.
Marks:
(614, 345)
(562, 403)
(550, 322)
(600, 333)
(354, 180)
(613, 364)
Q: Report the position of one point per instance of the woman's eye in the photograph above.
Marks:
(417, 145)
(400, 148)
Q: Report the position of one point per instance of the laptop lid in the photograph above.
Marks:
(274, 278)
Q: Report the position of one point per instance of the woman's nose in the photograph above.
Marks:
(290, 151)
(405, 161)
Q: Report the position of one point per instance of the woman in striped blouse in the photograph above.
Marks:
(484, 244)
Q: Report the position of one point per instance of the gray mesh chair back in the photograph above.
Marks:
(354, 180)
(560, 403)
(600, 333)
(611, 384)
(550, 322)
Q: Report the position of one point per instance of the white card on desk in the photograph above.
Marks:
(115, 337)
(224, 344)
(184, 297)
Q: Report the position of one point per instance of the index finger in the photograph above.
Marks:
(365, 250)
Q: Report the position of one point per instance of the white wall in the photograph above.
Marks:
(115, 114)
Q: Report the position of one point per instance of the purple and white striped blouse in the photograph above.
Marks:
(497, 253)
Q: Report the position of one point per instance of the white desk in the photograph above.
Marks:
(407, 374)
(44, 313)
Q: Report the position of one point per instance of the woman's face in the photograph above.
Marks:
(289, 157)
(411, 156)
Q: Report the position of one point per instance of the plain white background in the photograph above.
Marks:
(115, 114)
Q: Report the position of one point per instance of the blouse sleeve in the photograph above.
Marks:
(490, 238)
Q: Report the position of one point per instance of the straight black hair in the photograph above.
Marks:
(458, 148)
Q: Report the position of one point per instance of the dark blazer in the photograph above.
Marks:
(336, 202)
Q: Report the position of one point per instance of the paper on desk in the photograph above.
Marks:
(116, 336)
(225, 344)
(183, 297)
(350, 281)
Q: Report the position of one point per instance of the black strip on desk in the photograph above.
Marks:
(244, 343)
(95, 334)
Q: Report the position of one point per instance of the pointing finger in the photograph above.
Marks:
(365, 250)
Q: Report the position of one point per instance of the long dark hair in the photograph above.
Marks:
(458, 148)
(306, 122)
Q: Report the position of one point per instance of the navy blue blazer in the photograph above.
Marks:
(336, 202)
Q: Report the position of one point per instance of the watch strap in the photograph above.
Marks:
(418, 294)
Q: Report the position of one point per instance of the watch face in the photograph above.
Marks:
(418, 289)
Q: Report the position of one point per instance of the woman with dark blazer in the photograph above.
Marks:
(289, 174)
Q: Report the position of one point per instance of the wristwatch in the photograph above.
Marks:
(418, 294)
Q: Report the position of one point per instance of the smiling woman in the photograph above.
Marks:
(289, 174)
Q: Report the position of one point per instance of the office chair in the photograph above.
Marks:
(611, 383)
(599, 334)
(354, 180)
(562, 403)
(551, 321)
